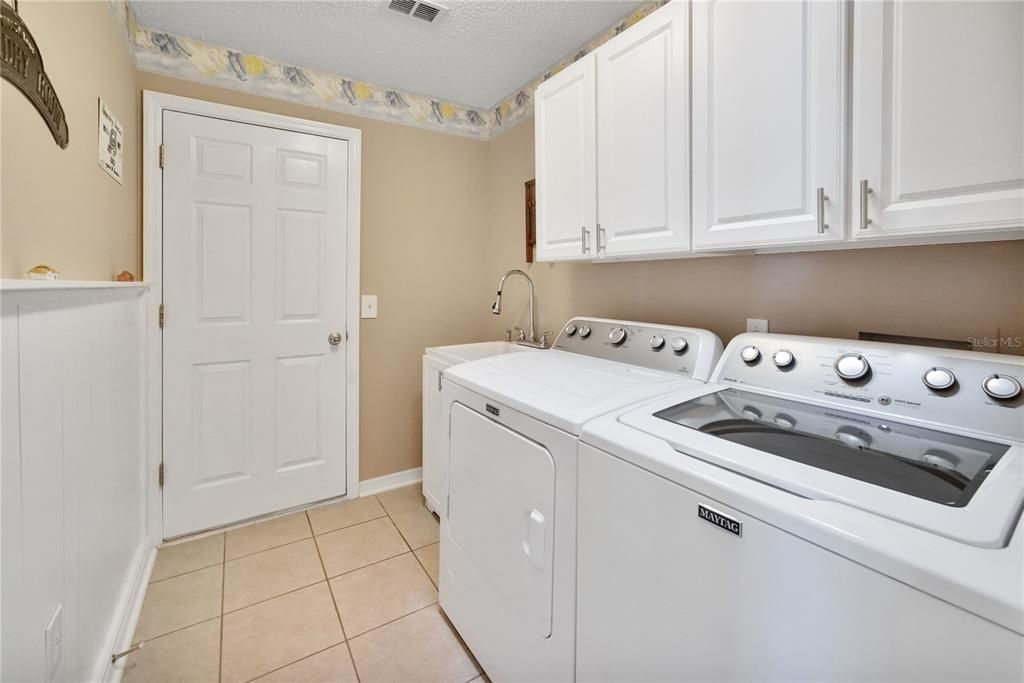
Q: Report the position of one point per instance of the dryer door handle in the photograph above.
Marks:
(536, 533)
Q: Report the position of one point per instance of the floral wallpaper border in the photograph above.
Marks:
(182, 57)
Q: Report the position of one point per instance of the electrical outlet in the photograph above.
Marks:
(54, 639)
(757, 325)
(369, 306)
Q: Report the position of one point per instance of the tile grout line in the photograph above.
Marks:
(388, 623)
(353, 526)
(427, 572)
(301, 659)
(257, 552)
(223, 585)
(334, 601)
(180, 629)
(178, 576)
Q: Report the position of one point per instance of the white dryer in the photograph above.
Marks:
(823, 509)
(508, 538)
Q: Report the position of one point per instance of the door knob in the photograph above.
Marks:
(334, 338)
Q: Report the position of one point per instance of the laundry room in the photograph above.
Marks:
(512, 340)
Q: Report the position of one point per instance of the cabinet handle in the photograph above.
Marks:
(865, 190)
(822, 198)
(602, 241)
(583, 238)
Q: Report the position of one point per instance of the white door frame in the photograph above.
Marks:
(154, 104)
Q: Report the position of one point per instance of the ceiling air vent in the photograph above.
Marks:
(421, 10)
(426, 12)
(403, 6)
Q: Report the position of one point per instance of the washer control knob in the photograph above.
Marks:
(852, 366)
(584, 332)
(750, 354)
(617, 336)
(657, 342)
(1001, 387)
(679, 344)
(939, 379)
(783, 358)
(570, 330)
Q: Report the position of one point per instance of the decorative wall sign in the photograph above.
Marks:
(22, 66)
(111, 141)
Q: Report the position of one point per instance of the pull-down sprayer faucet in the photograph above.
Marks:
(531, 335)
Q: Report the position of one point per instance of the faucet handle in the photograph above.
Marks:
(508, 335)
(520, 334)
(545, 339)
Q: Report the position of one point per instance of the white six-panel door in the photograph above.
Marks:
(254, 284)
(767, 123)
(938, 107)
(565, 164)
(643, 137)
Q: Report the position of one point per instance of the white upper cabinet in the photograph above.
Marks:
(938, 118)
(642, 137)
(565, 157)
(767, 123)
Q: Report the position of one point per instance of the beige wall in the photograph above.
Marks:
(424, 228)
(442, 217)
(59, 207)
(949, 292)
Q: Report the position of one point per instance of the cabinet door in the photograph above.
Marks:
(566, 176)
(643, 137)
(767, 123)
(937, 111)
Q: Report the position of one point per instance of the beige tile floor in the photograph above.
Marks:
(344, 592)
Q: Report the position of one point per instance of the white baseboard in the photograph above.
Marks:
(126, 617)
(369, 487)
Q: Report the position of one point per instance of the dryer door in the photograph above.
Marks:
(501, 511)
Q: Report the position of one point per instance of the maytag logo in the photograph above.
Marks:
(733, 526)
(492, 410)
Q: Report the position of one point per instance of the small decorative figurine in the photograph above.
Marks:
(124, 276)
(43, 272)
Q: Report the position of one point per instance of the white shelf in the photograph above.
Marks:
(26, 285)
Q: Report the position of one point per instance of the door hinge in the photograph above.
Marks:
(160, 475)
(440, 374)
(448, 507)
(161, 155)
(161, 316)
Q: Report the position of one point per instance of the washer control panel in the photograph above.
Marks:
(682, 350)
(972, 390)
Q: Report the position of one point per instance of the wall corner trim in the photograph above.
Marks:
(129, 609)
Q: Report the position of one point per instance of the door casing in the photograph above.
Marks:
(154, 105)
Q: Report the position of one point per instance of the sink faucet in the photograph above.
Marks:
(531, 335)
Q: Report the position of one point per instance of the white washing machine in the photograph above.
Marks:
(821, 510)
(508, 538)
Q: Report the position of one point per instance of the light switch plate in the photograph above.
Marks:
(54, 639)
(369, 306)
(757, 325)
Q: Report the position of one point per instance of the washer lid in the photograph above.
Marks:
(981, 511)
(918, 461)
(563, 389)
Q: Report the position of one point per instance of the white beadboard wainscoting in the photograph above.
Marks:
(73, 474)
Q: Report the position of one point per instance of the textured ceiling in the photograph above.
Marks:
(475, 53)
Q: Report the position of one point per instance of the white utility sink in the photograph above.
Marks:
(462, 353)
(435, 420)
